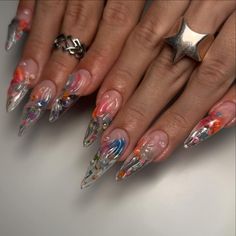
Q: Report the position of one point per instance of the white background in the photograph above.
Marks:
(192, 194)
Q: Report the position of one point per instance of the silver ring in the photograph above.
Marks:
(186, 42)
(71, 45)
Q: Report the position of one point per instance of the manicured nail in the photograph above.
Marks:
(24, 76)
(76, 84)
(18, 26)
(102, 115)
(213, 123)
(37, 105)
(109, 153)
(148, 148)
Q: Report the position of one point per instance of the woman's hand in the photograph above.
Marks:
(103, 28)
(160, 113)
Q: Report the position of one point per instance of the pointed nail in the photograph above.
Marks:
(18, 26)
(76, 84)
(213, 123)
(150, 147)
(109, 153)
(23, 78)
(37, 105)
(102, 115)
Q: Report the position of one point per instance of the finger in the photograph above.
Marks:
(81, 20)
(143, 44)
(162, 81)
(45, 27)
(207, 85)
(21, 23)
(119, 17)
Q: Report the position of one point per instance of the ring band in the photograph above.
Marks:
(71, 45)
(187, 42)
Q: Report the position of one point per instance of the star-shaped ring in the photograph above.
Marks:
(187, 42)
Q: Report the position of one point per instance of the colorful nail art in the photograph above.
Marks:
(102, 116)
(24, 76)
(108, 154)
(76, 83)
(37, 105)
(210, 125)
(147, 149)
(18, 26)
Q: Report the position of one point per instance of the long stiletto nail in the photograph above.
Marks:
(147, 149)
(37, 105)
(102, 115)
(76, 84)
(109, 153)
(213, 123)
(23, 78)
(18, 26)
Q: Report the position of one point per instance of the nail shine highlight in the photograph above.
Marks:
(18, 26)
(37, 105)
(147, 150)
(76, 83)
(102, 116)
(23, 77)
(210, 125)
(108, 154)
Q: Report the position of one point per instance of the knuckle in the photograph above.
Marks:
(35, 44)
(213, 73)
(59, 65)
(135, 115)
(116, 13)
(77, 15)
(176, 120)
(48, 6)
(147, 34)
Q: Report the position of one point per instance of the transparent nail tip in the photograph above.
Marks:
(96, 126)
(14, 100)
(16, 30)
(105, 158)
(61, 105)
(205, 129)
(35, 109)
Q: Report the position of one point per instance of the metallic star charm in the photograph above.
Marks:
(186, 42)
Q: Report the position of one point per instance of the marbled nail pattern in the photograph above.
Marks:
(37, 105)
(210, 125)
(70, 95)
(102, 115)
(24, 76)
(147, 149)
(108, 154)
(18, 26)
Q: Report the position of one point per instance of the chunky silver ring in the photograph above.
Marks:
(186, 42)
(71, 45)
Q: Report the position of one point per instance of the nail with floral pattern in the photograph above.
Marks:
(37, 105)
(23, 79)
(112, 148)
(76, 84)
(102, 115)
(148, 149)
(217, 119)
(18, 26)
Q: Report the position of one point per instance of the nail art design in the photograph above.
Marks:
(71, 93)
(147, 149)
(37, 105)
(18, 26)
(211, 124)
(102, 116)
(23, 77)
(108, 154)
